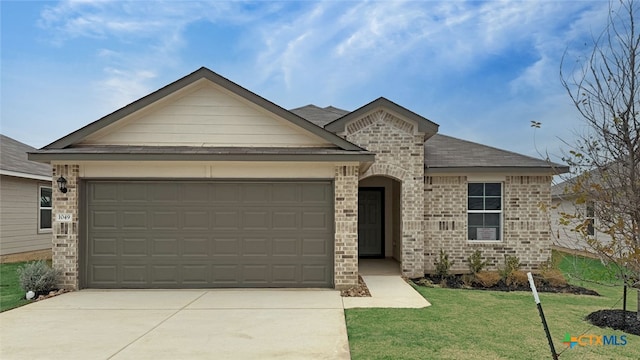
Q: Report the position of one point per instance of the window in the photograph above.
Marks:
(44, 208)
(591, 211)
(484, 211)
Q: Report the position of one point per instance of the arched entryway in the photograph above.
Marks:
(379, 218)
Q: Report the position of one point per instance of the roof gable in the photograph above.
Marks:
(204, 114)
(14, 162)
(96, 129)
(425, 125)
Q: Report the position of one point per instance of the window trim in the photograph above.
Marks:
(499, 212)
(42, 230)
(590, 217)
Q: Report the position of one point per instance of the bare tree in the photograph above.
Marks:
(605, 89)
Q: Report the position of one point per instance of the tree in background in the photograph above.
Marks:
(605, 158)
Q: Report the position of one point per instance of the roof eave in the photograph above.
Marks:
(48, 157)
(495, 169)
(24, 175)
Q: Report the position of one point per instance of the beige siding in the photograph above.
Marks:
(562, 235)
(19, 216)
(206, 116)
(206, 170)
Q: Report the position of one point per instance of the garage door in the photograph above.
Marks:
(151, 234)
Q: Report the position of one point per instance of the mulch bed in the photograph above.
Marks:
(626, 321)
(42, 295)
(357, 291)
(456, 282)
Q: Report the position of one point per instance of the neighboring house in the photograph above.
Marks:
(25, 202)
(206, 184)
(564, 201)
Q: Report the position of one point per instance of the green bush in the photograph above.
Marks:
(443, 265)
(511, 265)
(475, 262)
(37, 276)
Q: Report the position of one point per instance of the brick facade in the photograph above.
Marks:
(432, 211)
(346, 226)
(65, 234)
(526, 231)
(399, 150)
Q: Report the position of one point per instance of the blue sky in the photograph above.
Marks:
(482, 70)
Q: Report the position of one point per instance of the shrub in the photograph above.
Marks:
(511, 264)
(553, 277)
(443, 265)
(37, 276)
(487, 278)
(424, 282)
(517, 278)
(475, 262)
(467, 280)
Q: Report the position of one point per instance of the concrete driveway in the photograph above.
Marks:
(178, 324)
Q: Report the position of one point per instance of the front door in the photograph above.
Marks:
(371, 222)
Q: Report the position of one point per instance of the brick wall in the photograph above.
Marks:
(399, 152)
(346, 223)
(525, 225)
(65, 234)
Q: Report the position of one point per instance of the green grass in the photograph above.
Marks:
(472, 324)
(11, 295)
(582, 271)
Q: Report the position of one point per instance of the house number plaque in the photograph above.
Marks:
(63, 217)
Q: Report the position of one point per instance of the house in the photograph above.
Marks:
(25, 203)
(206, 184)
(572, 209)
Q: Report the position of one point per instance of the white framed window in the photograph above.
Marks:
(591, 213)
(484, 211)
(45, 204)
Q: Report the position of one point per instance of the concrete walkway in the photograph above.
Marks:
(387, 288)
(387, 291)
(178, 324)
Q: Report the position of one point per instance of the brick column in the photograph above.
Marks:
(65, 234)
(412, 208)
(346, 225)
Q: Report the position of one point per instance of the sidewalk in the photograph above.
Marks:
(387, 291)
(387, 288)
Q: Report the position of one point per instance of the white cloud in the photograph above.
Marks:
(338, 53)
(137, 39)
(123, 86)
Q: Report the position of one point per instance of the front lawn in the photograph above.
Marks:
(474, 324)
(11, 295)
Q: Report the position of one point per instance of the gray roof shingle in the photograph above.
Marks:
(446, 152)
(319, 116)
(13, 157)
(442, 151)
